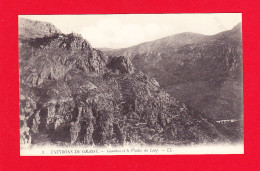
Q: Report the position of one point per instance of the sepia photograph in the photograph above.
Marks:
(131, 84)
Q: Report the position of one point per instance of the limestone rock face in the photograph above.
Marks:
(50, 58)
(71, 93)
(122, 64)
(35, 29)
(197, 69)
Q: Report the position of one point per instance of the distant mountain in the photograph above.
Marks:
(160, 45)
(106, 49)
(203, 71)
(35, 29)
(73, 93)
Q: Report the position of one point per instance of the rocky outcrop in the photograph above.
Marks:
(122, 64)
(197, 69)
(35, 29)
(71, 93)
(50, 58)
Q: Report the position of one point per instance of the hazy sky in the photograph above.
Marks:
(124, 30)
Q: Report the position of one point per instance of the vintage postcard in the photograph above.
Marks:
(131, 84)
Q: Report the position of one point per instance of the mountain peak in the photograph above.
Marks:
(35, 29)
(194, 66)
(65, 84)
(239, 25)
(238, 28)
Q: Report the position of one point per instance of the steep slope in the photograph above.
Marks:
(204, 72)
(72, 93)
(163, 45)
(35, 29)
(52, 57)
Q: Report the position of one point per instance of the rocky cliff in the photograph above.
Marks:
(71, 93)
(202, 71)
(35, 29)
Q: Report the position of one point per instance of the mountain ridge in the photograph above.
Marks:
(35, 29)
(194, 69)
(71, 93)
(170, 40)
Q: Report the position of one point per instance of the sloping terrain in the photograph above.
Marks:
(202, 71)
(73, 93)
(35, 29)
